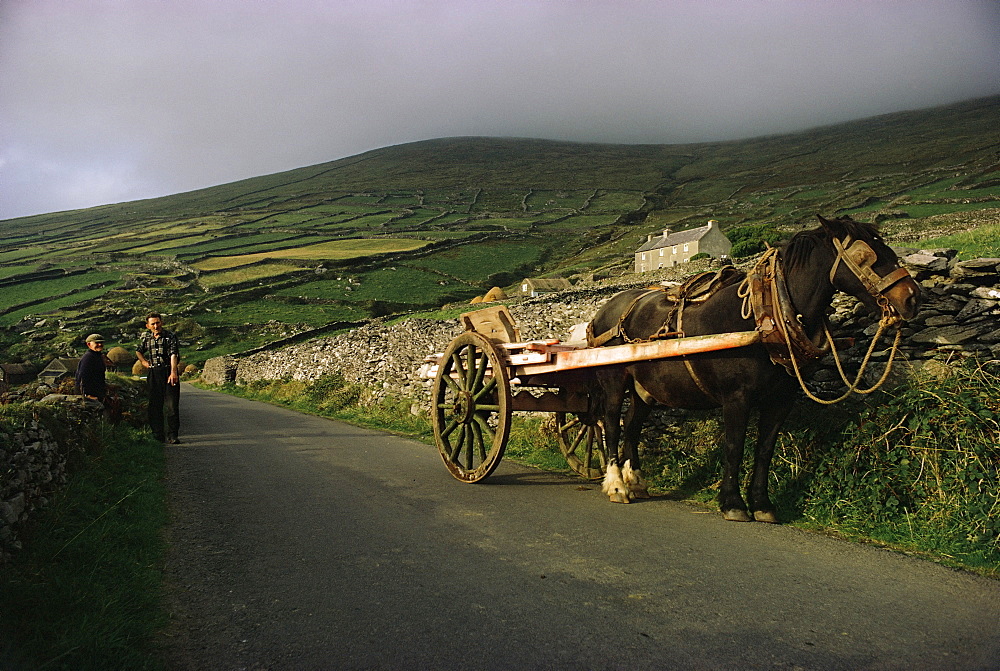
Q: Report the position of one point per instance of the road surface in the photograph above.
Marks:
(302, 543)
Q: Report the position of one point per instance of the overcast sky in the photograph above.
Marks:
(113, 100)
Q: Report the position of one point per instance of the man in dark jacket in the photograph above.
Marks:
(90, 371)
(159, 353)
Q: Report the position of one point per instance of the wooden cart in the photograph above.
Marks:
(486, 373)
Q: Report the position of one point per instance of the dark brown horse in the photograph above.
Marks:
(840, 255)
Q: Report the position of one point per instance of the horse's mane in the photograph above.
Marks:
(798, 250)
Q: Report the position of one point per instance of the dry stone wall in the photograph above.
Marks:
(33, 462)
(960, 317)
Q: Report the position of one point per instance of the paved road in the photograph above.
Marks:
(302, 543)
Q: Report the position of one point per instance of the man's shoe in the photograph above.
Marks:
(173, 441)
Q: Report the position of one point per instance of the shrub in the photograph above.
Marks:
(752, 239)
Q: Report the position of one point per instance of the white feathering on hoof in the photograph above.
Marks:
(634, 482)
(614, 486)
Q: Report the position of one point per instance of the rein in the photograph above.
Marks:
(766, 299)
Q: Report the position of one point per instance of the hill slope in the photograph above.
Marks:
(421, 224)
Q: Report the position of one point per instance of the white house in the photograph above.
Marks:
(669, 249)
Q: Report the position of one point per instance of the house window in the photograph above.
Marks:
(524, 287)
(674, 250)
(644, 256)
(685, 246)
(661, 251)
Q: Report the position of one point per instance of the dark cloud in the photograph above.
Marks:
(104, 101)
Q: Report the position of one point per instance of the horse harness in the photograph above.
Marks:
(696, 289)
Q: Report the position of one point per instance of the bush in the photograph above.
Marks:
(752, 239)
(920, 467)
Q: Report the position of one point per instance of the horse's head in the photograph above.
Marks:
(865, 267)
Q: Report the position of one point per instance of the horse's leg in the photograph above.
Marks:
(772, 416)
(635, 419)
(735, 417)
(612, 384)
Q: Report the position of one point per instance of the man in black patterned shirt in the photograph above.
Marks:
(159, 353)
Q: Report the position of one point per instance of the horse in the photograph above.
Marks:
(804, 274)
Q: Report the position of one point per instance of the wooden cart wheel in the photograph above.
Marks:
(581, 440)
(471, 407)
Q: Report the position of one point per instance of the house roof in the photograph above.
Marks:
(17, 368)
(61, 365)
(690, 235)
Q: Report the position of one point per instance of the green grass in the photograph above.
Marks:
(476, 263)
(30, 291)
(85, 593)
(402, 284)
(55, 305)
(982, 242)
(264, 310)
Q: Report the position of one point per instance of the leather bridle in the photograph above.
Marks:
(859, 258)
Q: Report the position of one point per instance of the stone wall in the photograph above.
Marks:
(33, 462)
(959, 318)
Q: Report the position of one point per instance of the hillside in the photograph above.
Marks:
(419, 225)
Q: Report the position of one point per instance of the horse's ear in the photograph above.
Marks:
(833, 227)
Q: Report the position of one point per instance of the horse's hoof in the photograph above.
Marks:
(618, 497)
(736, 515)
(768, 517)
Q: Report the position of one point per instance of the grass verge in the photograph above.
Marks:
(85, 592)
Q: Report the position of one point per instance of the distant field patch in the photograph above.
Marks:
(332, 250)
(19, 254)
(475, 263)
(615, 201)
(54, 305)
(169, 245)
(15, 270)
(400, 285)
(246, 274)
(541, 200)
(262, 311)
(584, 222)
(31, 291)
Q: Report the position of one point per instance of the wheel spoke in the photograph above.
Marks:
(451, 383)
(470, 371)
(456, 451)
(483, 422)
(452, 425)
(487, 388)
(570, 424)
(589, 454)
(478, 432)
(457, 365)
(470, 445)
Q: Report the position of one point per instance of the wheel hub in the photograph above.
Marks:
(465, 407)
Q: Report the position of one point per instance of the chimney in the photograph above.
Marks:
(666, 233)
(712, 223)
